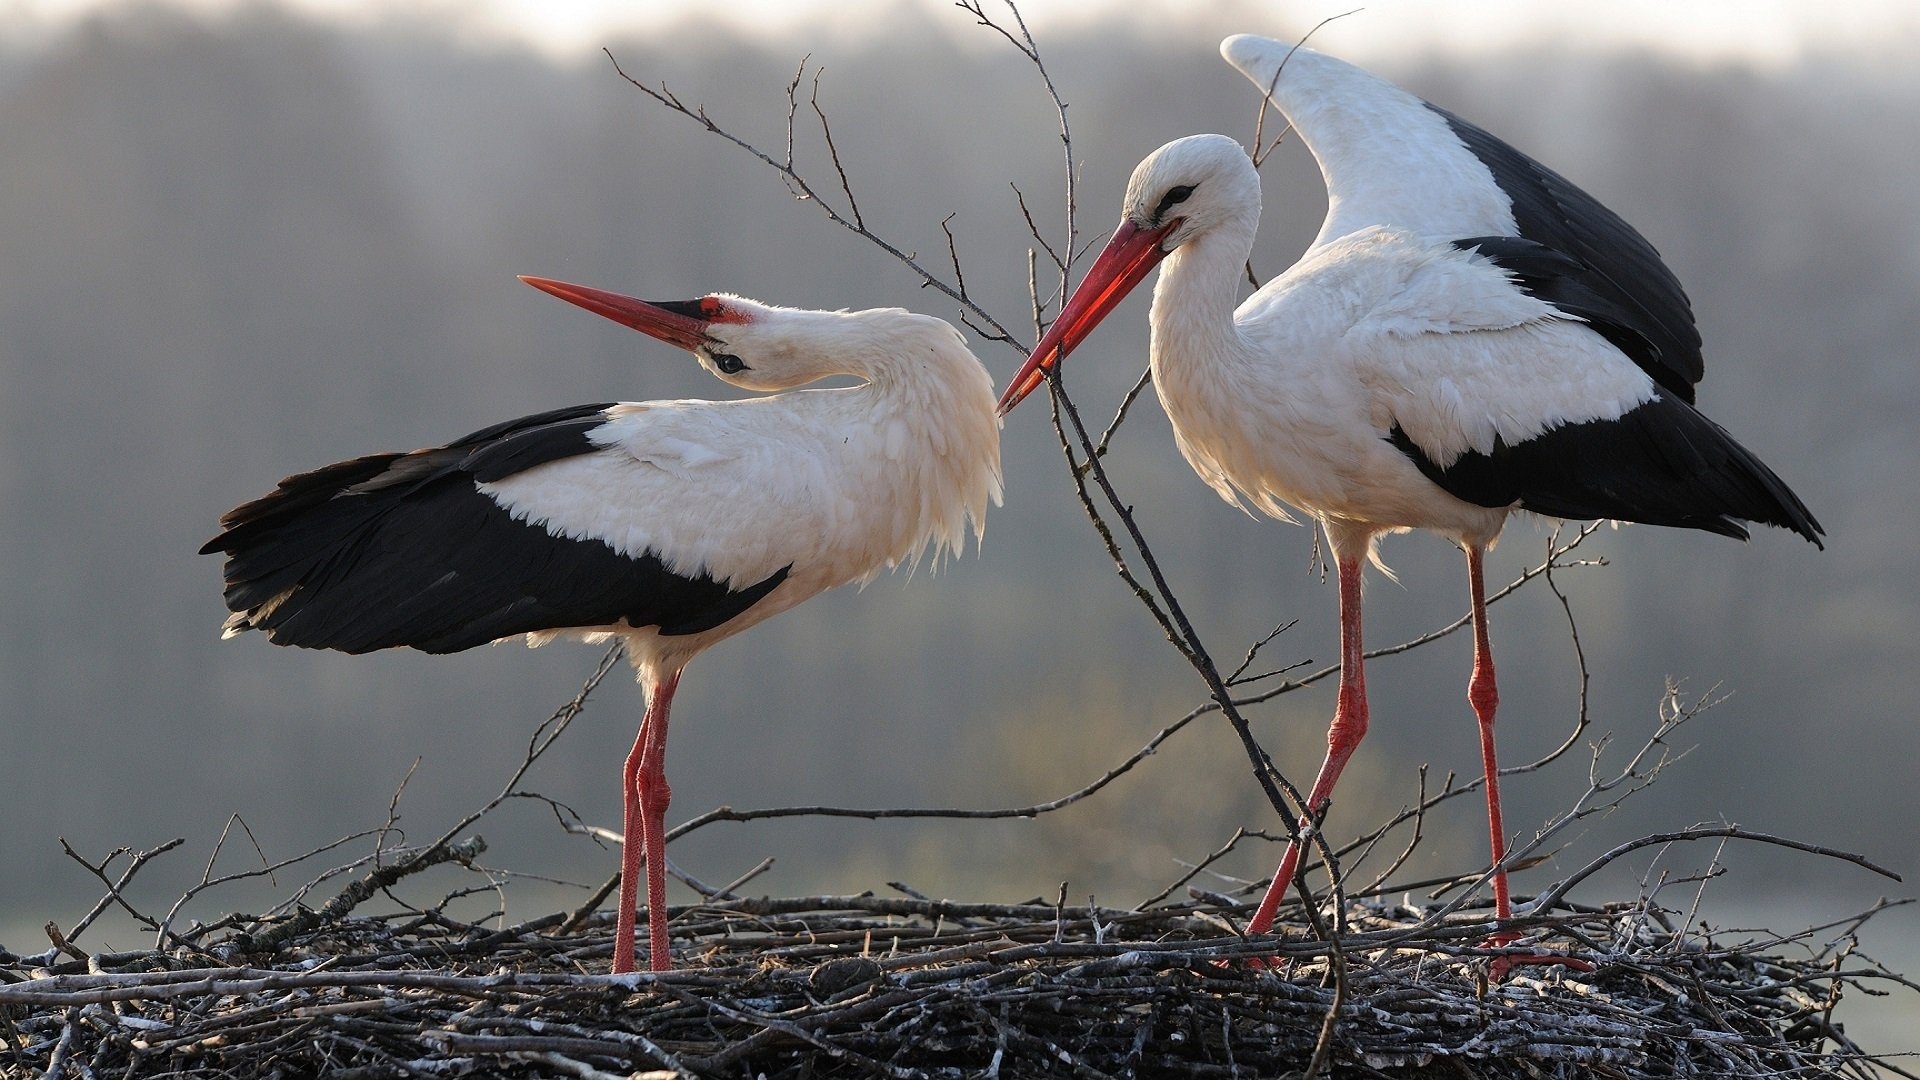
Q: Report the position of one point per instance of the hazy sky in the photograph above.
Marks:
(1764, 31)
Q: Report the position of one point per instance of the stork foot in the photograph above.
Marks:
(1503, 965)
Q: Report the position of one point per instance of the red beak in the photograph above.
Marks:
(673, 323)
(1125, 262)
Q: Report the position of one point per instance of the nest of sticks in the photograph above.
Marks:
(904, 986)
(1381, 979)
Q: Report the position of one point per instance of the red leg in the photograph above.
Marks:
(630, 856)
(1485, 698)
(1343, 737)
(645, 796)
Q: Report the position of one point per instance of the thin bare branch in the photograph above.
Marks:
(115, 888)
(267, 869)
(350, 897)
(1024, 42)
(953, 254)
(833, 152)
(1261, 148)
(1552, 896)
(1033, 230)
(805, 191)
(728, 813)
(1120, 414)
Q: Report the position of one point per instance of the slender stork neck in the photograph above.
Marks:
(928, 431)
(916, 362)
(1198, 292)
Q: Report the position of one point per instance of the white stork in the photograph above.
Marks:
(1469, 335)
(669, 525)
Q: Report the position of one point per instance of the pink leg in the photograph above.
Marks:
(645, 796)
(1485, 698)
(1343, 737)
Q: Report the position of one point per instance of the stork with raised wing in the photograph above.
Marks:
(669, 525)
(1468, 336)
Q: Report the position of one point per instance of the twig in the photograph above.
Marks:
(1025, 44)
(1261, 148)
(579, 916)
(728, 813)
(805, 191)
(726, 891)
(833, 151)
(350, 897)
(1553, 895)
(1120, 414)
(114, 888)
(1195, 870)
(1419, 823)
(164, 932)
(1039, 237)
(1270, 779)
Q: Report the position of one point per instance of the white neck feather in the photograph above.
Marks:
(1195, 298)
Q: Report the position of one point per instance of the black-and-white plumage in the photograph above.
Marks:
(668, 524)
(1468, 335)
(333, 558)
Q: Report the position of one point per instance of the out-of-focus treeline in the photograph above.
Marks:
(235, 248)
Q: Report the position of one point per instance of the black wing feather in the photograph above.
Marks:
(1662, 463)
(405, 549)
(1572, 286)
(1616, 267)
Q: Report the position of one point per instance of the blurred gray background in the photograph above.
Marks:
(242, 245)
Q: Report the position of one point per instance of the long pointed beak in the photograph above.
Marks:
(668, 322)
(1125, 262)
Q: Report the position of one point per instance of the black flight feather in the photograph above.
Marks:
(405, 550)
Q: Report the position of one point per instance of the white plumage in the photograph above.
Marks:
(857, 479)
(1388, 157)
(1469, 334)
(669, 524)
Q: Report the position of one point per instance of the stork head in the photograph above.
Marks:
(1184, 191)
(743, 342)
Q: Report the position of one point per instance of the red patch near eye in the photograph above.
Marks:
(713, 309)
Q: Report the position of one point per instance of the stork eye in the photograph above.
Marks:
(1173, 197)
(729, 364)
